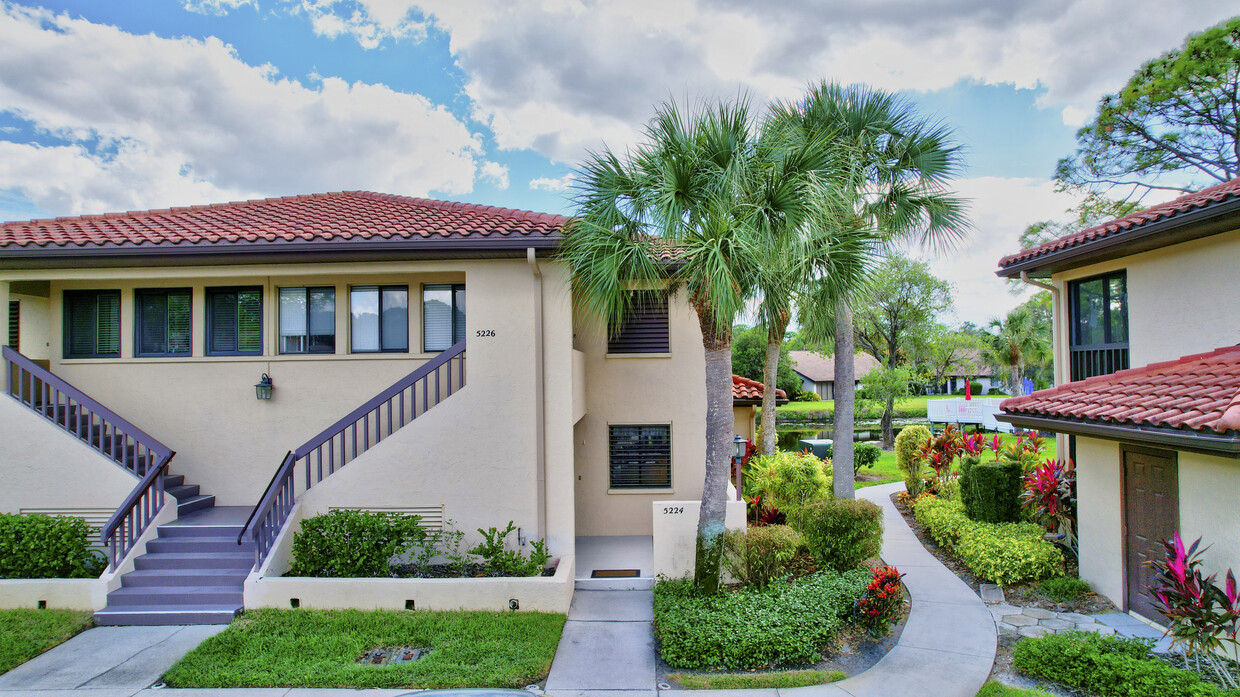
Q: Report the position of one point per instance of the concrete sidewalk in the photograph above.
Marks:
(607, 648)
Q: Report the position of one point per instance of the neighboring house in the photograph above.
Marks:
(971, 366)
(1146, 327)
(176, 319)
(817, 372)
(747, 404)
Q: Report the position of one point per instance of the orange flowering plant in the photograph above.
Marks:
(879, 606)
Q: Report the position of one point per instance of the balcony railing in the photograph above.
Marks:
(1098, 359)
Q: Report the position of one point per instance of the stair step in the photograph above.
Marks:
(614, 584)
(173, 480)
(151, 615)
(194, 503)
(213, 560)
(181, 530)
(195, 596)
(198, 545)
(182, 491)
(185, 578)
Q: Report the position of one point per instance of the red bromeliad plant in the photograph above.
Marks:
(1201, 617)
(1049, 497)
(880, 605)
(939, 452)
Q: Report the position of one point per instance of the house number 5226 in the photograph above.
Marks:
(486, 332)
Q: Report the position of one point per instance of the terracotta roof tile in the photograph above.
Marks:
(1197, 393)
(751, 390)
(1181, 205)
(338, 215)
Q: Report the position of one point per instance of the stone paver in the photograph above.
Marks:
(990, 593)
(1034, 621)
(1039, 614)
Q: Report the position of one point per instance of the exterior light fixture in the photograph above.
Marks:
(740, 448)
(263, 389)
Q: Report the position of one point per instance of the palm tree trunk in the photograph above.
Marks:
(1014, 376)
(845, 400)
(719, 423)
(889, 436)
(770, 373)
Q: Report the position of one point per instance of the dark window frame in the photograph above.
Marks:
(618, 344)
(1088, 360)
(137, 322)
(380, 288)
(452, 290)
(1074, 293)
(208, 306)
(309, 345)
(659, 484)
(67, 338)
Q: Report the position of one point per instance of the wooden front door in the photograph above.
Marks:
(1151, 514)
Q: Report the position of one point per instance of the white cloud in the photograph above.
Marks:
(496, 173)
(217, 7)
(147, 121)
(552, 184)
(1075, 116)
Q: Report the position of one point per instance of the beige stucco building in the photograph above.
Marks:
(1146, 329)
(166, 323)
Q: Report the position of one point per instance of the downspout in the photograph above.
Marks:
(540, 410)
(1055, 317)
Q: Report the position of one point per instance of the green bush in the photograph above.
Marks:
(908, 442)
(1108, 666)
(1063, 589)
(41, 546)
(506, 562)
(976, 388)
(1006, 553)
(865, 455)
(353, 544)
(787, 480)
(805, 396)
(991, 492)
(841, 534)
(759, 555)
(784, 624)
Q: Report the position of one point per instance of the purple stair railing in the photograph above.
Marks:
(340, 443)
(103, 430)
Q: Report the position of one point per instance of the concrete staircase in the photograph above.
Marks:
(193, 573)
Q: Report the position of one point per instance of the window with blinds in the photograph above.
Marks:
(640, 457)
(15, 324)
(234, 321)
(645, 326)
(162, 322)
(443, 316)
(308, 320)
(379, 317)
(92, 324)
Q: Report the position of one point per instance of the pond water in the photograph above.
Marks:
(790, 434)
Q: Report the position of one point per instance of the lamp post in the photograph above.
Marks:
(262, 390)
(740, 447)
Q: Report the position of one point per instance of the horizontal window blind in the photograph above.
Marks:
(235, 321)
(380, 317)
(443, 315)
(640, 457)
(645, 327)
(162, 322)
(307, 320)
(92, 324)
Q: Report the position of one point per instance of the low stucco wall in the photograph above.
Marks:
(675, 534)
(535, 594)
(58, 593)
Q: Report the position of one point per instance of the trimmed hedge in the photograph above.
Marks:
(353, 544)
(1005, 554)
(908, 442)
(990, 492)
(786, 624)
(1109, 666)
(41, 546)
(840, 534)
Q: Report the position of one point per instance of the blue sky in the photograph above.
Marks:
(143, 103)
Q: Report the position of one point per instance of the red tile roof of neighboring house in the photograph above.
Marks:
(1179, 206)
(1196, 393)
(344, 215)
(744, 389)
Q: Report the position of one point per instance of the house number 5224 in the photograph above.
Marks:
(486, 332)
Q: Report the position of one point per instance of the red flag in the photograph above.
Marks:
(968, 388)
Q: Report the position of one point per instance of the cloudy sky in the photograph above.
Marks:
(134, 104)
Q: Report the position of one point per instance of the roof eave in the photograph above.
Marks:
(1209, 443)
(1175, 229)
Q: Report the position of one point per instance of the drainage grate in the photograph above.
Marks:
(389, 657)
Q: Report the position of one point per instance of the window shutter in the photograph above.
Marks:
(640, 457)
(180, 327)
(109, 324)
(15, 324)
(645, 327)
(249, 321)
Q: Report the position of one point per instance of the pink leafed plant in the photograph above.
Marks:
(1201, 617)
(1049, 497)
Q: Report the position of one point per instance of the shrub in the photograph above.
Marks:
(495, 553)
(865, 455)
(1201, 617)
(805, 396)
(1063, 589)
(1005, 554)
(41, 546)
(908, 459)
(975, 388)
(879, 607)
(353, 544)
(1049, 496)
(787, 480)
(991, 492)
(1109, 666)
(943, 519)
(759, 555)
(841, 534)
(783, 624)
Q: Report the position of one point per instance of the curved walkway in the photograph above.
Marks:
(947, 647)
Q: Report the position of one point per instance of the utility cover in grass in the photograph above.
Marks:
(390, 657)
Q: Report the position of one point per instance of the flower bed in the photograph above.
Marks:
(1003, 553)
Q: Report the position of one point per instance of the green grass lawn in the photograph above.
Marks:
(756, 681)
(911, 407)
(998, 689)
(25, 634)
(319, 648)
(887, 469)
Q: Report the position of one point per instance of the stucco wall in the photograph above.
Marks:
(744, 422)
(640, 390)
(1208, 489)
(33, 329)
(675, 533)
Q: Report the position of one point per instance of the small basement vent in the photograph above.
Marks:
(432, 516)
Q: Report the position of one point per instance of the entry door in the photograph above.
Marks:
(1151, 514)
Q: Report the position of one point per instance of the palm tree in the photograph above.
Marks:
(1020, 340)
(670, 213)
(895, 169)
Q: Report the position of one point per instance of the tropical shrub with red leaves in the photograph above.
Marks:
(1049, 499)
(1201, 617)
(879, 606)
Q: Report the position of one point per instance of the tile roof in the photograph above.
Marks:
(1193, 393)
(819, 368)
(343, 215)
(744, 389)
(1179, 206)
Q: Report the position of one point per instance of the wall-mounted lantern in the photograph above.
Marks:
(263, 389)
(740, 448)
